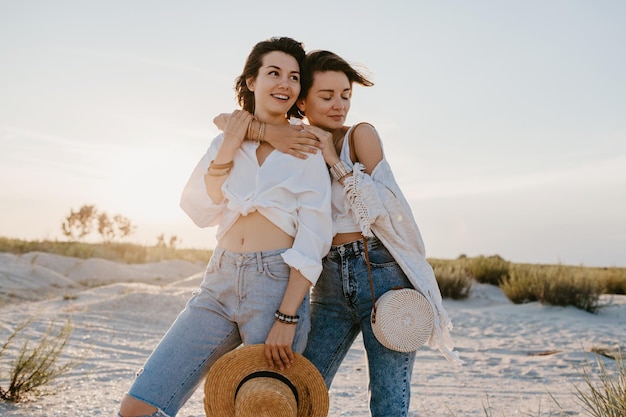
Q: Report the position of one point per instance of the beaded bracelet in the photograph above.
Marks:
(284, 318)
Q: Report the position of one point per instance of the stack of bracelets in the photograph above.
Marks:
(284, 318)
(218, 170)
(339, 170)
(256, 130)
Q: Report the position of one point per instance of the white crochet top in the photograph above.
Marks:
(343, 218)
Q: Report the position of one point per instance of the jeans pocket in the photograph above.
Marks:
(277, 270)
(379, 257)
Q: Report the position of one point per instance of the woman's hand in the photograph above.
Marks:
(289, 139)
(220, 120)
(325, 138)
(278, 343)
(237, 127)
(278, 350)
(292, 139)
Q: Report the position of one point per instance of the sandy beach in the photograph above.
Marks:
(519, 359)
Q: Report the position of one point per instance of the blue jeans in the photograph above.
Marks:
(235, 304)
(341, 303)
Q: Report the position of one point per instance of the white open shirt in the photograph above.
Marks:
(292, 193)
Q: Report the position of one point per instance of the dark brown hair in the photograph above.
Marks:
(245, 97)
(323, 61)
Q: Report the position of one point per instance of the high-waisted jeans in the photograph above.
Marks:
(235, 304)
(341, 303)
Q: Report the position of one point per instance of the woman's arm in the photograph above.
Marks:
(278, 350)
(367, 146)
(361, 191)
(311, 244)
(219, 169)
(289, 139)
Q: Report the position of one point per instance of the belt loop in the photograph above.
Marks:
(259, 261)
(355, 247)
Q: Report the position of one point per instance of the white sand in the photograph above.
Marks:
(119, 313)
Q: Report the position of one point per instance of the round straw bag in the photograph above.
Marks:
(402, 320)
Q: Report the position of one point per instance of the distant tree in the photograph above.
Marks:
(161, 241)
(172, 243)
(79, 224)
(124, 226)
(106, 227)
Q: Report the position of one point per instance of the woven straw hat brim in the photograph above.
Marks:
(226, 375)
(404, 320)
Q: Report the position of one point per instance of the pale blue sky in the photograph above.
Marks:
(504, 121)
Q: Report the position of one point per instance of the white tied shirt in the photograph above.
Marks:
(292, 193)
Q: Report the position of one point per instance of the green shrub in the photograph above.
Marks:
(34, 368)
(488, 270)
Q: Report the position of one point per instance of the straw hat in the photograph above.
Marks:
(240, 384)
(404, 320)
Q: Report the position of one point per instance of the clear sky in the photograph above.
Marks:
(504, 121)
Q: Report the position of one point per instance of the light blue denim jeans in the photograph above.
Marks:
(341, 303)
(235, 304)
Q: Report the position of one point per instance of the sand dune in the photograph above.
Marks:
(519, 358)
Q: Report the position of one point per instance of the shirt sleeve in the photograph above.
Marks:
(314, 222)
(194, 200)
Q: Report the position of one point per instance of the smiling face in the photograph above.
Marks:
(276, 86)
(327, 103)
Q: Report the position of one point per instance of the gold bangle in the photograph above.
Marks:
(258, 136)
(250, 134)
(218, 173)
(262, 132)
(227, 165)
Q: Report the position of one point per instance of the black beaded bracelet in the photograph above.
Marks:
(284, 318)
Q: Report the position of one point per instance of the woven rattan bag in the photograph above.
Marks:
(402, 318)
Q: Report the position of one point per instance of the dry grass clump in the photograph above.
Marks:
(613, 280)
(558, 285)
(572, 286)
(488, 269)
(604, 393)
(524, 284)
(114, 251)
(453, 279)
(34, 367)
(555, 285)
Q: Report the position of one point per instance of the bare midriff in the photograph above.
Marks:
(254, 233)
(341, 238)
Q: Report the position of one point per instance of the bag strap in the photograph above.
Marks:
(367, 256)
(369, 271)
